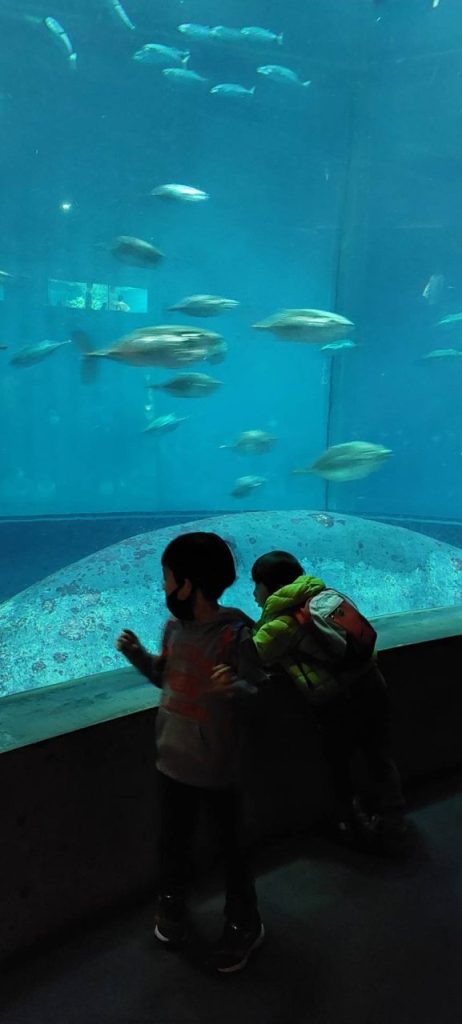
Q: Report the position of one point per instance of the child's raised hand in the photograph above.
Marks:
(129, 645)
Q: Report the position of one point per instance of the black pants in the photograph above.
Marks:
(360, 720)
(179, 808)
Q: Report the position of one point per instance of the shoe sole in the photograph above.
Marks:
(242, 963)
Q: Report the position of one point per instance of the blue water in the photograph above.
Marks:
(343, 196)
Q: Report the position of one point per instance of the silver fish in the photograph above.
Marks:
(203, 32)
(204, 305)
(443, 353)
(136, 252)
(351, 461)
(62, 38)
(277, 73)
(252, 442)
(189, 385)
(226, 35)
(180, 193)
(120, 13)
(164, 424)
(184, 77)
(244, 485)
(453, 320)
(434, 289)
(338, 346)
(307, 325)
(232, 89)
(262, 35)
(31, 354)
(168, 346)
(155, 53)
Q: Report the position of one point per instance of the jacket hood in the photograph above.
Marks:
(290, 596)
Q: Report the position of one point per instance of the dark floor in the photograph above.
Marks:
(351, 939)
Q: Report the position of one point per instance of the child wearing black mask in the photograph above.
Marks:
(197, 736)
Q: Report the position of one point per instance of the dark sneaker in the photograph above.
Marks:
(170, 920)
(235, 947)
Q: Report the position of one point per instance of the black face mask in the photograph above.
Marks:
(181, 609)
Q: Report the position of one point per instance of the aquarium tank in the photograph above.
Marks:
(230, 286)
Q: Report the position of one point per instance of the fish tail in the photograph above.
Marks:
(280, 38)
(306, 84)
(89, 368)
(73, 61)
(185, 58)
(252, 90)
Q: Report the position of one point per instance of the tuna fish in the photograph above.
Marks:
(308, 325)
(155, 53)
(252, 442)
(245, 485)
(189, 385)
(204, 305)
(168, 346)
(164, 424)
(285, 76)
(180, 193)
(31, 354)
(136, 252)
(351, 461)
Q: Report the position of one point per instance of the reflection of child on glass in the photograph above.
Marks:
(207, 670)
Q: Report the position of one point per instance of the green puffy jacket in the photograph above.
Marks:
(277, 637)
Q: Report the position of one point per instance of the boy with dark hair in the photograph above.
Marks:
(197, 736)
(353, 713)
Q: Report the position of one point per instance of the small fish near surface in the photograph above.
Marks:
(254, 34)
(164, 424)
(232, 90)
(353, 460)
(167, 345)
(181, 76)
(204, 305)
(252, 442)
(62, 38)
(136, 252)
(189, 385)
(245, 485)
(31, 354)
(433, 291)
(179, 193)
(313, 326)
(277, 73)
(155, 53)
(120, 13)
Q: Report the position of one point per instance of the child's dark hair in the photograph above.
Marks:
(203, 558)
(276, 569)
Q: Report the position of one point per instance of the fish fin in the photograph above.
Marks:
(306, 84)
(89, 367)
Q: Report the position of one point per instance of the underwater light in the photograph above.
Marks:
(65, 207)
